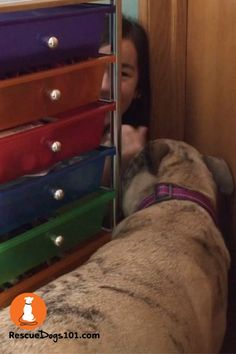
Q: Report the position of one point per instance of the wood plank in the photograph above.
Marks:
(144, 13)
(211, 76)
(166, 24)
(17, 5)
(70, 262)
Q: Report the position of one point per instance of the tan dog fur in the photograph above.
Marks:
(160, 286)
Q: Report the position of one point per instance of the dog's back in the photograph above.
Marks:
(159, 287)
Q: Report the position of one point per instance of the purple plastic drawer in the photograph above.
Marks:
(34, 38)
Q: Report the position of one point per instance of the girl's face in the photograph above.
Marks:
(129, 74)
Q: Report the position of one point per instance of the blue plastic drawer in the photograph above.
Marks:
(33, 38)
(25, 200)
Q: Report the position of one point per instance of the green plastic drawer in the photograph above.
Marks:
(72, 225)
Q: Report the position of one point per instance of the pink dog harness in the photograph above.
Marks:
(164, 192)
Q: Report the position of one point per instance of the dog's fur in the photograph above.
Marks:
(161, 285)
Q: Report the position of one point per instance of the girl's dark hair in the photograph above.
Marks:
(139, 111)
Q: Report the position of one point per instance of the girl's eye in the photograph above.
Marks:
(125, 74)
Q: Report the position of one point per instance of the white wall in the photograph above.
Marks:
(130, 8)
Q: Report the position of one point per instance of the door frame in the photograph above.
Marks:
(166, 25)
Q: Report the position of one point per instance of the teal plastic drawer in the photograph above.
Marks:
(71, 225)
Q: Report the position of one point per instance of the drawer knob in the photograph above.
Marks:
(52, 42)
(56, 146)
(58, 240)
(58, 194)
(54, 95)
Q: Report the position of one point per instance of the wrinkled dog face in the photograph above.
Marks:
(171, 161)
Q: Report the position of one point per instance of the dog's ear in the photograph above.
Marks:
(137, 164)
(147, 159)
(156, 151)
(221, 174)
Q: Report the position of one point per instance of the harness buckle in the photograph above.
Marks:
(167, 196)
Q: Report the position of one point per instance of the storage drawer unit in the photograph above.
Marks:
(78, 223)
(36, 149)
(24, 201)
(50, 100)
(31, 97)
(44, 36)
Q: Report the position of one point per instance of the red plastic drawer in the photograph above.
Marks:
(36, 149)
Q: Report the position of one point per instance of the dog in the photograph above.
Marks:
(27, 317)
(160, 285)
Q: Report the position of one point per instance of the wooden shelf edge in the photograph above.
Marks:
(70, 262)
(100, 61)
(18, 5)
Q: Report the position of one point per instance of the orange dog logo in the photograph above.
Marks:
(28, 311)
